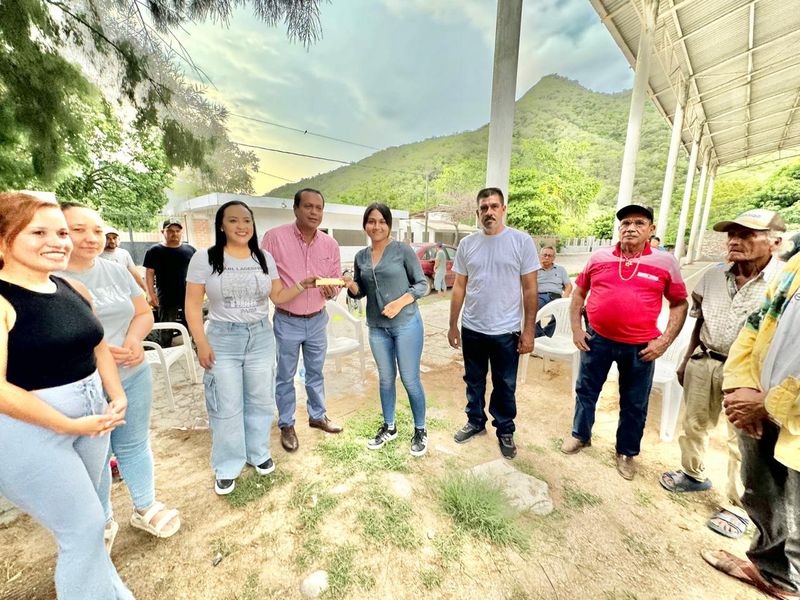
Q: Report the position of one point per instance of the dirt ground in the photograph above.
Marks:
(331, 508)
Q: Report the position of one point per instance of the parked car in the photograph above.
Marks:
(426, 253)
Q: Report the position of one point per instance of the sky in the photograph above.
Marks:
(385, 73)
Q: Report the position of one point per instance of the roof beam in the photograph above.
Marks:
(759, 132)
(730, 59)
(761, 118)
(694, 32)
(762, 73)
(749, 92)
(675, 8)
(789, 120)
(743, 153)
(720, 117)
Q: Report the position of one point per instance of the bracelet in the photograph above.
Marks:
(299, 286)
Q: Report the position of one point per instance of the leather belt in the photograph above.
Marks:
(712, 354)
(291, 314)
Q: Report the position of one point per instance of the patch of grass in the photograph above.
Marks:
(527, 467)
(449, 547)
(643, 498)
(255, 486)
(537, 449)
(251, 590)
(349, 453)
(576, 498)
(387, 520)
(556, 443)
(679, 499)
(639, 547)
(431, 578)
(222, 547)
(313, 503)
(480, 507)
(310, 550)
(340, 571)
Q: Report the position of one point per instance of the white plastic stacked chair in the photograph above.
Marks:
(166, 357)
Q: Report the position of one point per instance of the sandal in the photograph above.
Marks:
(145, 521)
(737, 524)
(744, 571)
(109, 534)
(678, 481)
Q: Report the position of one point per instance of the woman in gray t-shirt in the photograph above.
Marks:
(237, 349)
(126, 317)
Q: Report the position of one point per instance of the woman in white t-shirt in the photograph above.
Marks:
(238, 348)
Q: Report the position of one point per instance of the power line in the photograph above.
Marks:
(304, 131)
(277, 176)
(334, 160)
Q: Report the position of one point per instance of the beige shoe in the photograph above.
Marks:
(573, 445)
(625, 466)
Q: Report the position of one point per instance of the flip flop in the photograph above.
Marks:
(737, 523)
(744, 571)
(678, 481)
(110, 534)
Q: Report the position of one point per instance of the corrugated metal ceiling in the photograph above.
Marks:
(743, 99)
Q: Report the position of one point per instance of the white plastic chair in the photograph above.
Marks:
(558, 347)
(166, 357)
(340, 345)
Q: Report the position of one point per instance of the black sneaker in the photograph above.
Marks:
(384, 435)
(467, 432)
(223, 487)
(266, 467)
(507, 446)
(419, 443)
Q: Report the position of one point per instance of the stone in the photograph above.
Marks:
(399, 484)
(315, 584)
(340, 489)
(524, 493)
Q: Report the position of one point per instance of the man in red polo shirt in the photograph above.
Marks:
(628, 283)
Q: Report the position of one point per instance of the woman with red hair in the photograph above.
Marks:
(54, 417)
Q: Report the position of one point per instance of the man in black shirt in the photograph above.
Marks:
(166, 265)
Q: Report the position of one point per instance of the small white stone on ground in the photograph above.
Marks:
(315, 584)
(523, 491)
(342, 488)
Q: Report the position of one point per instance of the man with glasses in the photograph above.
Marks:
(553, 283)
(721, 302)
(628, 283)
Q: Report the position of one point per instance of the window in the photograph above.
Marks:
(451, 253)
(430, 254)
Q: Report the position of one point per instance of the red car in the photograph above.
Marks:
(426, 253)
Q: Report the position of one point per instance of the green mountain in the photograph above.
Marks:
(554, 113)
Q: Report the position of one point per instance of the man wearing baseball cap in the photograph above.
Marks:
(628, 282)
(167, 264)
(721, 302)
(122, 257)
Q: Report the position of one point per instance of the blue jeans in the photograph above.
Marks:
(399, 348)
(439, 283)
(130, 443)
(55, 479)
(500, 351)
(635, 381)
(292, 334)
(239, 396)
(549, 329)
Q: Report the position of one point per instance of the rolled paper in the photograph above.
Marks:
(329, 281)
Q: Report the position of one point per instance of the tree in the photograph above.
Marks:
(530, 203)
(781, 193)
(38, 86)
(602, 227)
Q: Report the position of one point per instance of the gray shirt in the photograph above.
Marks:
(552, 280)
(493, 265)
(120, 256)
(112, 288)
(397, 272)
(240, 294)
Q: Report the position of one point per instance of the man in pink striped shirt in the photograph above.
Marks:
(301, 250)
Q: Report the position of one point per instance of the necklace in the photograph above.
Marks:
(628, 262)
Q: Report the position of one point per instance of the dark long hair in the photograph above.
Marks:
(216, 254)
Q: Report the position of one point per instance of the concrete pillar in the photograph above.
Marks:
(504, 87)
(698, 207)
(638, 97)
(672, 163)
(706, 210)
(687, 197)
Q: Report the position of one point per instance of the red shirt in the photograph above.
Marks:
(297, 260)
(625, 302)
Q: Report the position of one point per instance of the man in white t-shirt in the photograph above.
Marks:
(122, 257)
(495, 279)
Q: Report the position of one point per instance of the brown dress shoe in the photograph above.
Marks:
(573, 445)
(289, 439)
(325, 424)
(625, 466)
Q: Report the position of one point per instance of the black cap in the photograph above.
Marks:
(634, 209)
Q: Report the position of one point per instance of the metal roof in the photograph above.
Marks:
(740, 60)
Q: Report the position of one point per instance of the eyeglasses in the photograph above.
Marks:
(638, 223)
